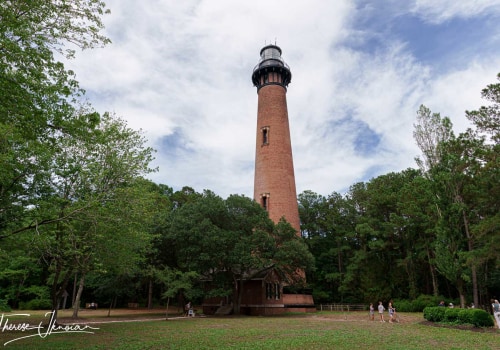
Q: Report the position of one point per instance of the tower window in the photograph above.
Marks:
(265, 135)
(276, 77)
(264, 200)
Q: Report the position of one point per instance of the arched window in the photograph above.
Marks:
(264, 201)
(265, 136)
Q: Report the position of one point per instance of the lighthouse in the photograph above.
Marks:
(269, 292)
(274, 182)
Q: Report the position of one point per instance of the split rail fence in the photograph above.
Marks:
(342, 307)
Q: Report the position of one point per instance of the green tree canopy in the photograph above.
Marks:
(233, 240)
(38, 96)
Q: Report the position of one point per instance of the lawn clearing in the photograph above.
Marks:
(146, 329)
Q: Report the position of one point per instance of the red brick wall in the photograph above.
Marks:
(274, 172)
(302, 299)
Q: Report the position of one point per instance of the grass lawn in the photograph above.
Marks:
(144, 329)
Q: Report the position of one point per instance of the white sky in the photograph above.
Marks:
(181, 72)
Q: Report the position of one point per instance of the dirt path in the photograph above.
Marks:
(116, 315)
(128, 315)
(100, 316)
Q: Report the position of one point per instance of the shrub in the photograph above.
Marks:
(321, 296)
(480, 318)
(424, 301)
(4, 306)
(418, 304)
(403, 305)
(475, 317)
(36, 304)
(451, 315)
(434, 313)
(465, 316)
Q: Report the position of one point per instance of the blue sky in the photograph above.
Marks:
(181, 72)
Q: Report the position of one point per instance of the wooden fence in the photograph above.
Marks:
(341, 307)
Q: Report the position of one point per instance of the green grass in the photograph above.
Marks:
(322, 330)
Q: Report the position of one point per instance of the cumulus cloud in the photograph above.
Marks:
(181, 71)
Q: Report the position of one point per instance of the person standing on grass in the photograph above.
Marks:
(372, 312)
(496, 311)
(391, 312)
(187, 307)
(381, 310)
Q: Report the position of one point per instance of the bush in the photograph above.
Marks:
(475, 317)
(418, 304)
(424, 301)
(403, 305)
(451, 315)
(36, 304)
(4, 306)
(435, 313)
(480, 318)
(465, 316)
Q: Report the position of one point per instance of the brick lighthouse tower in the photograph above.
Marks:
(274, 183)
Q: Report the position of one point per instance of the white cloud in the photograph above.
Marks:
(443, 10)
(181, 70)
(460, 90)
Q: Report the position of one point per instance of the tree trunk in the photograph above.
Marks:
(460, 288)
(112, 305)
(53, 289)
(412, 283)
(239, 294)
(150, 294)
(435, 288)
(57, 290)
(73, 296)
(18, 292)
(76, 304)
(470, 244)
(166, 313)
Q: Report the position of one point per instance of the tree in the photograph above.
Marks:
(327, 226)
(231, 241)
(417, 206)
(175, 281)
(37, 95)
(89, 175)
(463, 170)
(313, 208)
(121, 237)
(487, 118)
(311, 211)
(431, 130)
(485, 218)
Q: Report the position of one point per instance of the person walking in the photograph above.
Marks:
(187, 307)
(496, 311)
(372, 312)
(391, 312)
(381, 310)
